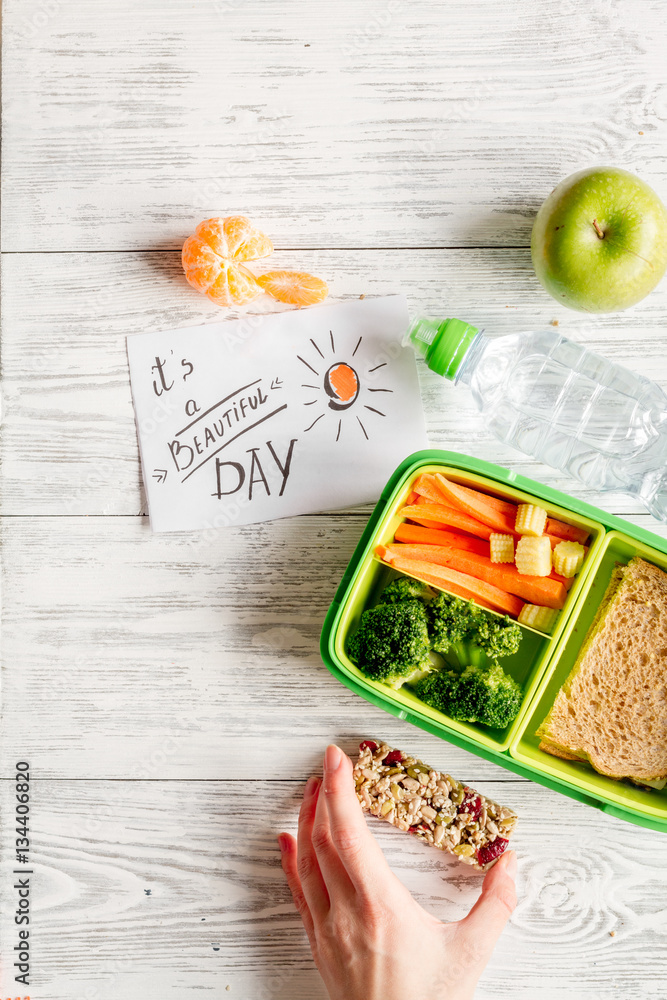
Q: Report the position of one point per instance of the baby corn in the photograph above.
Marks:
(533, 556)
(542, 619)
(530, 519)
(568, 558)
(501, 548)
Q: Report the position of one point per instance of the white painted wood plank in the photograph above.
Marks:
(333, 123)
(69, 441)
(132, 655)
(142, 888)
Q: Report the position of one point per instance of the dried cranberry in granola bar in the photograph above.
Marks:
(431, 805)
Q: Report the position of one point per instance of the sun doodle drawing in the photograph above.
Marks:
(341, 389)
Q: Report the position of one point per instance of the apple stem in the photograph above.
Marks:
(598, 230)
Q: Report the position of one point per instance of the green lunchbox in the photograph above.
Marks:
(543, 661)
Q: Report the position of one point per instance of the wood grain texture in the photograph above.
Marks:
(168, 690)
(339, 124)
(149, 888)
(136, 655)
(69, 444)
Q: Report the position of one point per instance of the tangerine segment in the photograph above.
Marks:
(234, 237)
(244, 240)
(200, 263)
(234, 286)
(296, 287)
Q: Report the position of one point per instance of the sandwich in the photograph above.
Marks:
(612, 709)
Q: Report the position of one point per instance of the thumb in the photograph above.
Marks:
(488, 917)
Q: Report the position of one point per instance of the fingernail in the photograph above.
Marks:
(332, 757)
(311, 787)
(283, 842)
(510, 864)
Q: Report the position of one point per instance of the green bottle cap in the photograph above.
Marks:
(443, 343)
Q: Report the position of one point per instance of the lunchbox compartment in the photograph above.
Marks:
(617, 548)
(525, 666)
(367, 583)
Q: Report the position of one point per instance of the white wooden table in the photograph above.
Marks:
(167, 690)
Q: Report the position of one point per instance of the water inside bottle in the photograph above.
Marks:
(574, 410)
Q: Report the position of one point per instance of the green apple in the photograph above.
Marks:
(599, 241)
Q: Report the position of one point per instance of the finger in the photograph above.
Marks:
(287, 846)
(307, 867)
(355, 845)
(488, 917)
(335, 876)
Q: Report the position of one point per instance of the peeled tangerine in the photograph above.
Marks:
(212, 264)
(212, 259)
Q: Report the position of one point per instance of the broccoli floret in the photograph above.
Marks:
(391, 644)
(486, 695)
(451, 620)
(472, 635)
(498, 636)
(491, 639)
(404, 588)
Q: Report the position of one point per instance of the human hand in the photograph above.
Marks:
(370, 939)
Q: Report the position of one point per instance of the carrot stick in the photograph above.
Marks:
(566, 531)
(476, 506)
(437, 489)
(428, 505)
(534, 589)
(412, 497)
(423, 501)
(505, 506)
(426, 486)
(454, 521)
(424, 522)
(445, 578)
(440, 536)
(553, 527)
(433, 533)
(560, 529)
(435, 512)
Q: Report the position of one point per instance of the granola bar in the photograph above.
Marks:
(433, 806)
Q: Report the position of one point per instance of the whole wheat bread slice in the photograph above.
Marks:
(612, 709)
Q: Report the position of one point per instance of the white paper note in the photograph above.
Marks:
(270, 416)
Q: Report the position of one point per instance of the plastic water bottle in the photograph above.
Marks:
(560, 403)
